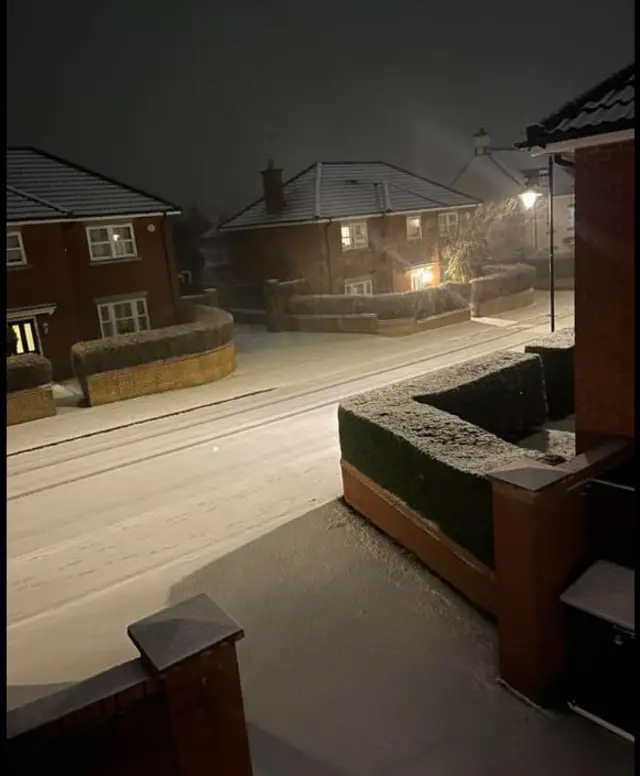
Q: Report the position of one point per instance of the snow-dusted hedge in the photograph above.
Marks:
(501, 281)
(557, 354)
(29, 370)
(411, 304)
(209, 328)
(432, 440)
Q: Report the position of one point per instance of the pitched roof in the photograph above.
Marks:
(607, 107)
(334, 190)
(501, 173)
(42, 187)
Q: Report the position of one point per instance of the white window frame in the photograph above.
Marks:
(448, 223)
(571, 216)
(111, 241)
(416, 235)
(23, 256)
(107, 309)
(359, 287)
(356, 236)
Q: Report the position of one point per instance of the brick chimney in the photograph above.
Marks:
(482, 142)
(273, 189)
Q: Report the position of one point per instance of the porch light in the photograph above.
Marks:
(529, 198)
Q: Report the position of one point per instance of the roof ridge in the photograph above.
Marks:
(105, 178)
(504, 168)
(594, 93)
(39, 200)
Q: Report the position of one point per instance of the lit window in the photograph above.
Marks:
(359, 287)
(571, 217)
(354, 236)
(123, 317)
(26, 334)
(447, 224)
(15, 250)
(414, 228)
(421, 278)
(111, 242)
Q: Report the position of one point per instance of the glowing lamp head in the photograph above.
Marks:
(528, 198)
(427, 276)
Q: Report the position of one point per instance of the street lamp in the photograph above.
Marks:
(529, 199)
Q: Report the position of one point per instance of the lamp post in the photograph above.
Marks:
(529, 199)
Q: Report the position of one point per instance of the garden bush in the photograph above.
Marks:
(29, 370)
(500, 281)
(208, 328)
(415, 439)
(557, 354)
(411, 304)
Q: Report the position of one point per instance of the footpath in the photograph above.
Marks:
(275, 367)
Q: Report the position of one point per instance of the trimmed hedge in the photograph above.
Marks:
(500, 281)
(210, 328)
(557, 354)
(435, 459)
(410, 304)
(29, 370)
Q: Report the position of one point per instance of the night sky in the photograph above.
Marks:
(188, 99)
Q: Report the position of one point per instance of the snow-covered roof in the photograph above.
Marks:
(334, 190)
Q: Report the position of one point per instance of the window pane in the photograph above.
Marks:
(14, 256)
(123, 248)
(103, 311)
(121, 233)
(143, 323)
(107, 329)
(98, 236)
(125, 326)
(13, 241)
(123, 310)
(101, 250)
(141, 307)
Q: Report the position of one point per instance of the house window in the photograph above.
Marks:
(421, 278)
(414, 228)
(354, 236)
(26, 334)
(123, 317)
(15, 250)
(111, 242)
(571, 217)
(361, 287)
(447, 224)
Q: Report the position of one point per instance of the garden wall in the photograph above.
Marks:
(29, 389)
(290, 306)
(198, 351)
(177, 710)
(429, 444)
(564, 272)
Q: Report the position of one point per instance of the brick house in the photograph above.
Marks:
(347, 227)
(87, 257)
(597, 130)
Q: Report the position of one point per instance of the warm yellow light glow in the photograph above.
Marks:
(427, 276)
(421, 278)
(529, 198)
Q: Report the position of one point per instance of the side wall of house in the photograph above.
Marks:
(59, 271)
(605, 292)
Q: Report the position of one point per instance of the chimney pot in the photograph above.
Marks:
(273, 189)
(482, 142)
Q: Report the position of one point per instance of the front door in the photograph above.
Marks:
(27, 335)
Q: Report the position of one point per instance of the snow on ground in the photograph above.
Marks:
(100, 528)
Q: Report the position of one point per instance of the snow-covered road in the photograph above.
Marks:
(100, 528)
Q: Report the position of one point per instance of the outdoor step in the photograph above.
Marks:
(600, 627)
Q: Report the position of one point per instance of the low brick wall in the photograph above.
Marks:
(159, 376)
(403, 327)
(30, 404)
(503, 304)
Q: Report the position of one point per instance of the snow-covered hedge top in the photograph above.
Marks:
(562, 339)
(440, 434)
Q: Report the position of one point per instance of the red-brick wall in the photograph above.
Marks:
(605, 292)
(314, 252)
(59, 271)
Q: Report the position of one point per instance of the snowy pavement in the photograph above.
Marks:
(100, 528)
